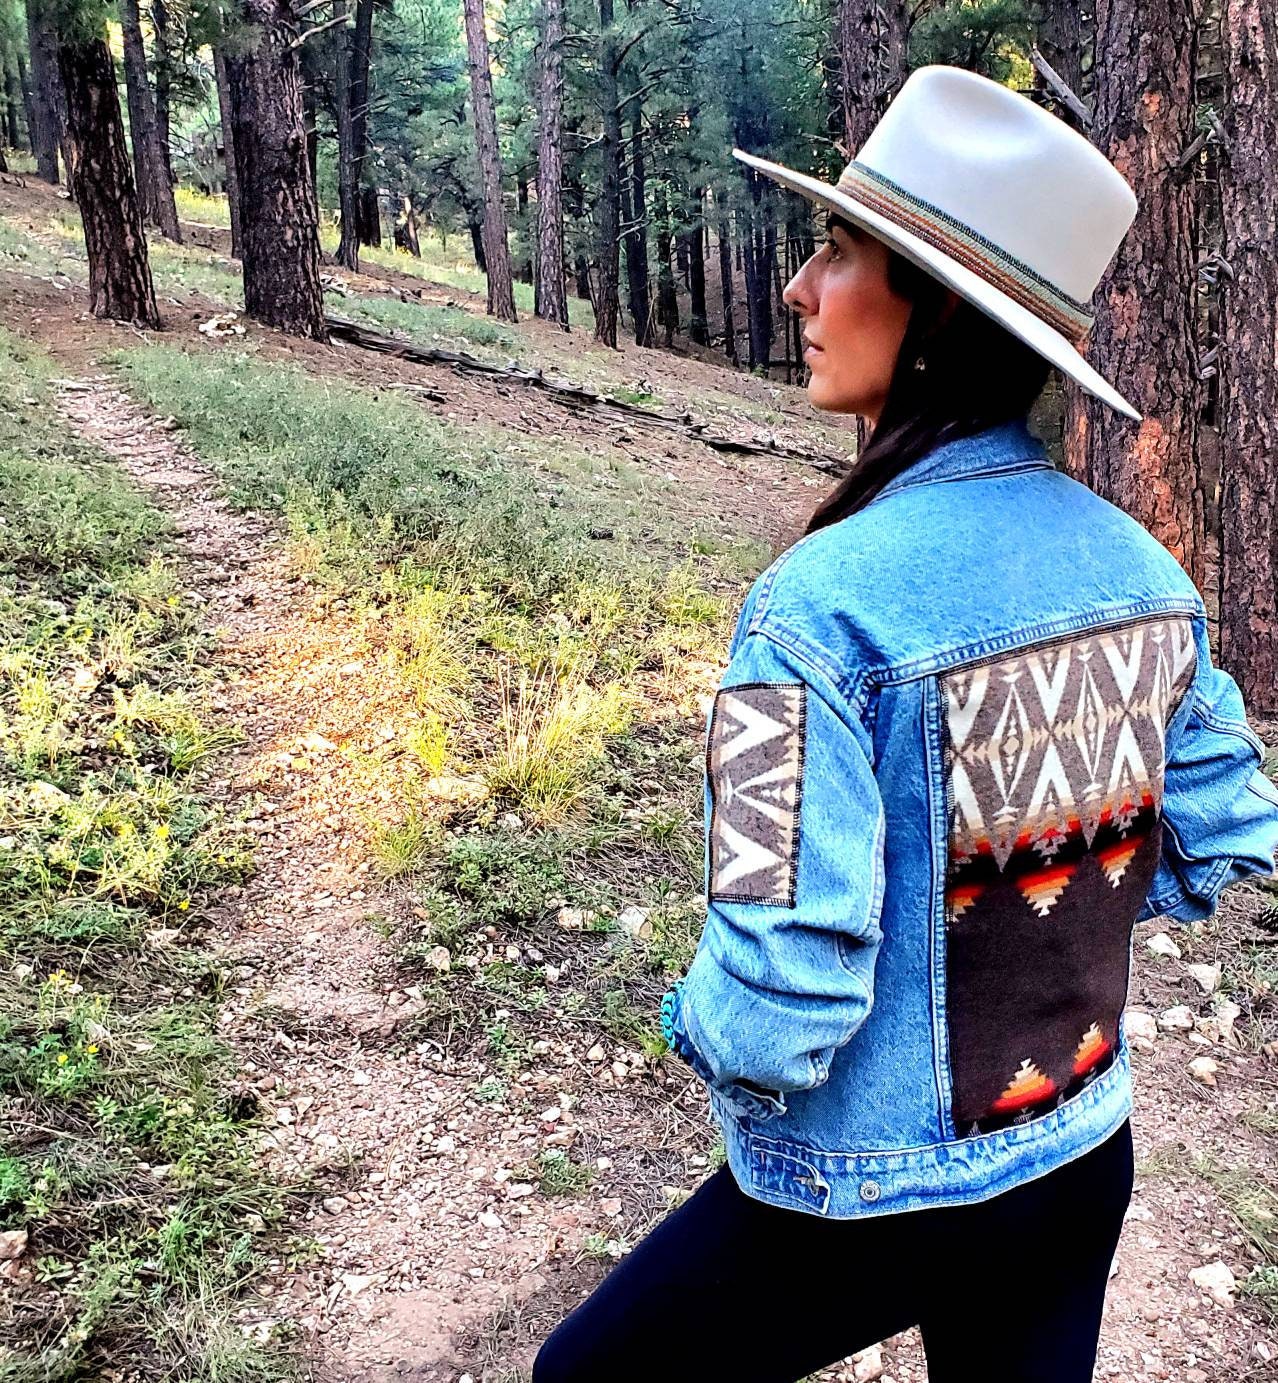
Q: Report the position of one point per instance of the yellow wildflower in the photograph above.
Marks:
(92, 1049)
(184, 904)
(62, 1058)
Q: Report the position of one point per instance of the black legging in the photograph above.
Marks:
(727, 1288)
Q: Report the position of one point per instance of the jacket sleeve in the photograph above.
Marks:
(1220, 811)
(783, 973)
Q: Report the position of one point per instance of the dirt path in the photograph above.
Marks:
(432, 1242)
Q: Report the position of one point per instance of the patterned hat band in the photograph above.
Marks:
(943, 232)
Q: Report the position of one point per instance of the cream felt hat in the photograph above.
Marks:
(994, 196)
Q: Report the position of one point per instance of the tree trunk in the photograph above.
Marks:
(278, 223)
(369, 221)
(119, 275)
(475, 224)
(501, 289)
(163, 83)
(28, 101)
(667, 298)
(725, 280)
(550, 296)
(635, 210)
(370, 216)
(607, 304)
(12, 101)
(698, 326)
(1249, 373)
(1144, 339)
(347, 171)
(1060, 40)
(869, 39)
(48, 132)
(228, 147)
(155, 191)
(406, 229)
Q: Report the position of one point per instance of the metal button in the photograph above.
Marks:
(870, 1191)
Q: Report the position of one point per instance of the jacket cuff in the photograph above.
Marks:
(743, 1099)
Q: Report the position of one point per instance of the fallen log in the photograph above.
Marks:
(575, 396)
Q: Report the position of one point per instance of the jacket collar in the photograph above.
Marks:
(1005, 447)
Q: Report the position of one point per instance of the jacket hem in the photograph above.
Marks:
(854, 1185)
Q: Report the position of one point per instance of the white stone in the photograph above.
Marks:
(634, 922)
(868, 1365)
(1206, 977)
(1162, 945)
(1217, 1281)
(1139, 1025)
(489, 1220)
(1177, 1019)
(1203, 1069)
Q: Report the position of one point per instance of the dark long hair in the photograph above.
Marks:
(976, 375)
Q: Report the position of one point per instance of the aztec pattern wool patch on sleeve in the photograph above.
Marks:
(1054, 772)
(755, 769)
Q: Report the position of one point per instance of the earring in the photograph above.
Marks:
(920, 364)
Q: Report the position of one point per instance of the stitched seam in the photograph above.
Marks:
(1238, 729)
(1059, 633)
(1016, 468)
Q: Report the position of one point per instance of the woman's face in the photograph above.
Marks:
(853, 322)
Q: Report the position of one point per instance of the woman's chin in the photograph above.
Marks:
(828, 400)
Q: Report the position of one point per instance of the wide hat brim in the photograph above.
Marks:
(1019, 320)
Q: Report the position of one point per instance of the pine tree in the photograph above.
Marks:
(1249, 373)
(1144, 338)
(501, 291)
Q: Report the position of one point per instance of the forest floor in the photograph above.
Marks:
(332, 834)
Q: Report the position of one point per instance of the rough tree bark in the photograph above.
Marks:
(280, 239)
(1060, 40)
(48, 132)
(1144, 338)
(28, 100)
(163, 82)
(635, 211)
(228, 148)
(501, 289)
(869, 40)
(667, 298)
(406, 228)
(607, 295)
(724, 224)
(550, 295)
(347, 170)
(366, 211)
(119, 274)
(695, 239)
(1249, 355)
(12, 101)
(155, 191)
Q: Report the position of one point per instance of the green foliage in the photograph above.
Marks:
(126, 1160)
(373, 483)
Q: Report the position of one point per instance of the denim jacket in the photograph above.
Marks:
(966, 739)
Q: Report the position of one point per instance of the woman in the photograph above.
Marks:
(970, 733)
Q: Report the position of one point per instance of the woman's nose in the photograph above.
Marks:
(798, 293)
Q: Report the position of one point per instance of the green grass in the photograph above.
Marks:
(202, 207)
(450, 328)
(127, 1161)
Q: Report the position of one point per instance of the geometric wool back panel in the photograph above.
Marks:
(1054, 764)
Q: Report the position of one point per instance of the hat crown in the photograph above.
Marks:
(989, 158)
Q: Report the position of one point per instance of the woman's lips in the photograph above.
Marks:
(810, 350)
